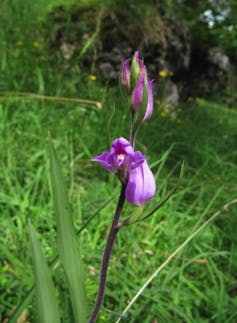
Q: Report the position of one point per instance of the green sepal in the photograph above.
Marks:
(135, 72)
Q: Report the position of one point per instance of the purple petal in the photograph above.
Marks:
(139, 61)
(138, 159)
(121, 155)
(125, 72)
(149, 108)
(105, 160)
(137, 93)
(136, 55)
(141, 185)
(121, 146)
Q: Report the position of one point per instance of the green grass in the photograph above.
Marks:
(199, 284)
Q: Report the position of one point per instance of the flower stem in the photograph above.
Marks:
(107, 253)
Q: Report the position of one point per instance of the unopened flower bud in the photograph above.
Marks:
(134, 79)
(125, 74)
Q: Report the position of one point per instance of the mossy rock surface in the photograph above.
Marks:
(93, 35)
(97, 38)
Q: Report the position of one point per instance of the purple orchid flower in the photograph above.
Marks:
(123, 159)
(141, 186)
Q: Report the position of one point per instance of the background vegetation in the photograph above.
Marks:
(200, 284)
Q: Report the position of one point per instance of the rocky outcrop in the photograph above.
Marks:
(208, 73)
(105, 37)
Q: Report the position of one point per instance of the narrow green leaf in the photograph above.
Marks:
(165, 198)
(27, 299)
(88, 44)
(161, 162)
(67, 242)
(45, 292)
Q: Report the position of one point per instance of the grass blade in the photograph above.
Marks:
(158, 270)
(91, 104)
(45, 292)
(67, 242)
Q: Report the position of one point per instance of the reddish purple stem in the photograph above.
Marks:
(107, 253)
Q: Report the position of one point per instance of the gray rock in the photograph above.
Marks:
(218, 58)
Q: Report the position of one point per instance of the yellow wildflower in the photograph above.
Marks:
(92, 77)
(163, 73)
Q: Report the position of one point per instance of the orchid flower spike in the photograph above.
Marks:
(135, 80)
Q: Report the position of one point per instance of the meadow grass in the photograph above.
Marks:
(199, 284)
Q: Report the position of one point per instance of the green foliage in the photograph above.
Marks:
(45, 292)
(67, 242)
(213, 23)
(205, 139)
(200, 283)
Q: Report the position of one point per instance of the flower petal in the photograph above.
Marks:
(149, 108)
(120, 146)
(141, 185)
(125, 73)
(138, 159)
(139, 61)
(105, 160)
(137, 93)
